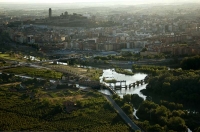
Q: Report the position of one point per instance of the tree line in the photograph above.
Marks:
(179, 86)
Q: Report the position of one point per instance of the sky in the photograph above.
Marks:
(96, 1)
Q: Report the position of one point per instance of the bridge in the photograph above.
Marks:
(122, 84)
(108, 87)
(137, 83)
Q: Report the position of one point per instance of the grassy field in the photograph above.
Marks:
(110, 81)
(34, 72)
(123, 71)
(92, 73)
(58, 95)
(13, 58)
(92, 112)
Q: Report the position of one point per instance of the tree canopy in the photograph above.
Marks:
(191, 63)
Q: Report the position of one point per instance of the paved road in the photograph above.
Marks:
(122, 114)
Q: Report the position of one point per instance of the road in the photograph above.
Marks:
(122, 114)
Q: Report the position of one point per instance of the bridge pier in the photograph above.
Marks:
(141, 82)
(137, 83)
(122, 84)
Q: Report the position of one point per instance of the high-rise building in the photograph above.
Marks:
(50, 13)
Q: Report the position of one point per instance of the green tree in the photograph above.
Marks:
(177, 124)
(197, 129)
(127, 98)
(136, 100)
(191, 63)
(144, 49)
(155, 128)
(128, 109)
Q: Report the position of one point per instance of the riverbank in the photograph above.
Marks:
(123, 71)
(109, 65)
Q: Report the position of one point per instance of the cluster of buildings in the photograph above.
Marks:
(157, 33)
(65, 19)
(30, 34)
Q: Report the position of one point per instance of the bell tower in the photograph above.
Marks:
(50, 13)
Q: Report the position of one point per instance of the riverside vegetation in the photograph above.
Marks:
(155, 117)
(172, 97)
(123, 71)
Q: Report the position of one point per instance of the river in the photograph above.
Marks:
(111, 74)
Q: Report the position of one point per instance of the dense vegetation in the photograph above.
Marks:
(129, 56)
(128, 102)
(4, 37)
(153, 70)
(35, 46)
(158, 117)
(20, 112)
(167, 116)
(181, 86)
(94, 74)
(3, 63)
(5, 78)
(133, 57)
(161, 118)
(35, 72)
(191, 63)
(25, 114)
(176, 86)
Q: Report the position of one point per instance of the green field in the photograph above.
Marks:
(93, 113)
(8, 57)
(124, 71)
(92, 73)
(34, 72)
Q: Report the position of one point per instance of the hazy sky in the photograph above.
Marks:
(75, 1)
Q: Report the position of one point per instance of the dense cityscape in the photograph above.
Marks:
(102, 67)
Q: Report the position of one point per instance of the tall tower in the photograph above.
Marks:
(50, 13)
